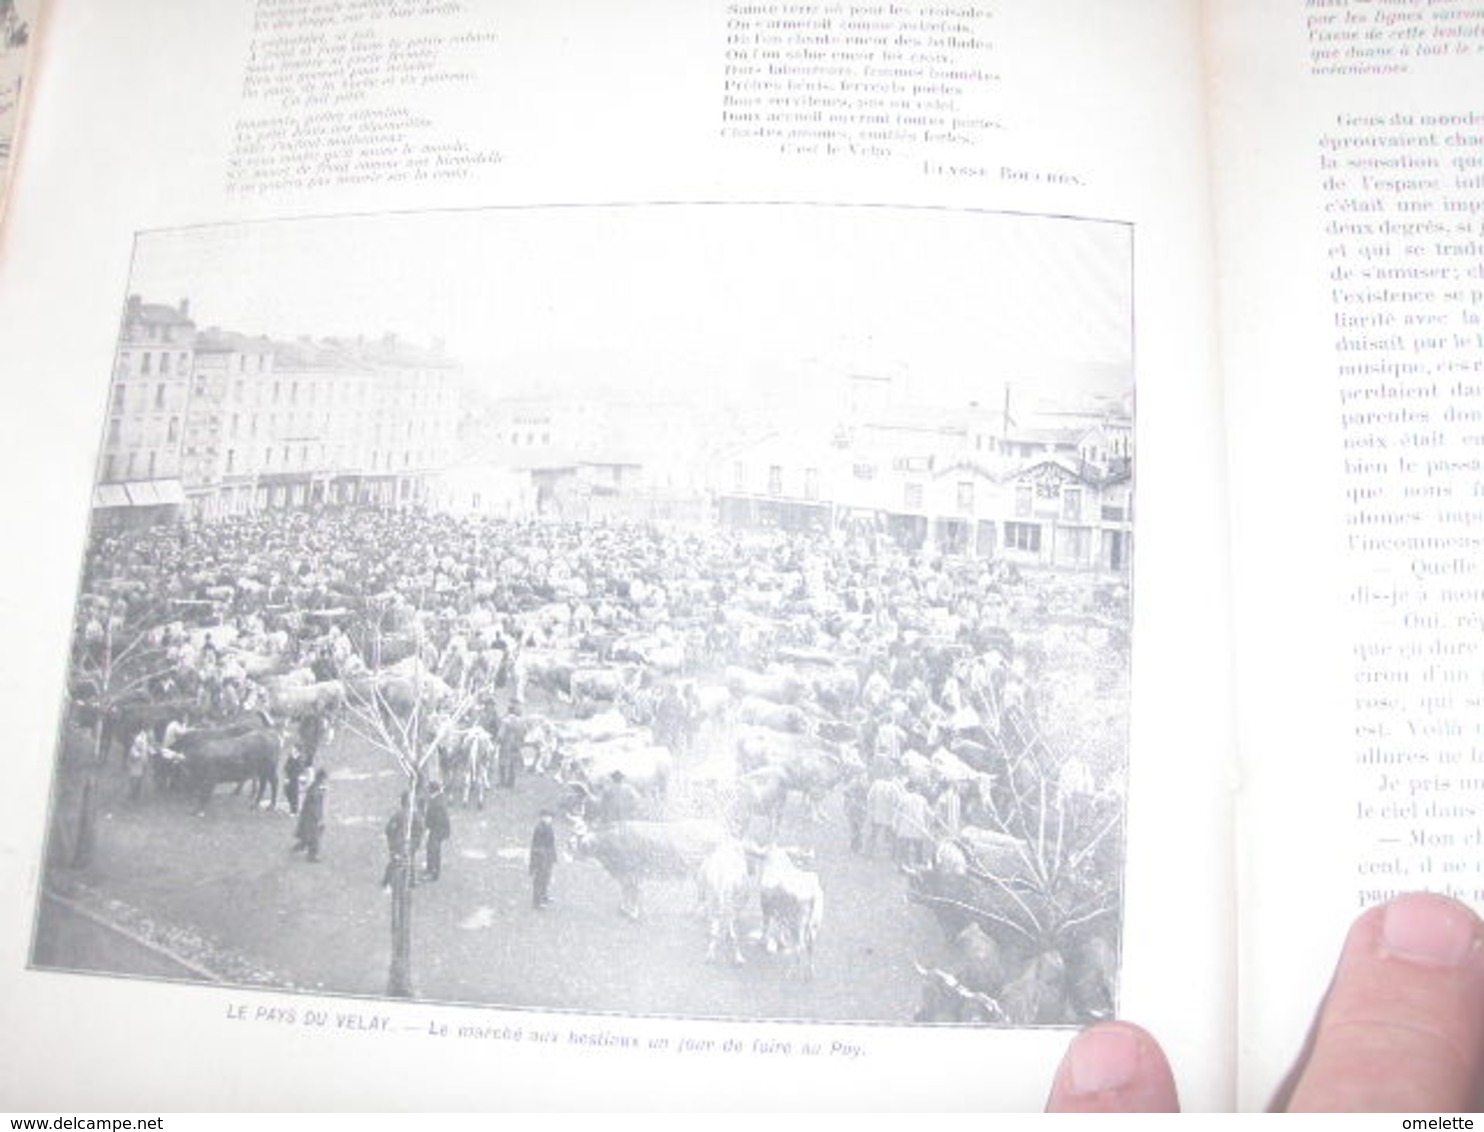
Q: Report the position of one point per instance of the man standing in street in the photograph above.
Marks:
(311, 825)
(439, 828)
(543, 860)
(508, 745)
(401, 844)
(138, 763)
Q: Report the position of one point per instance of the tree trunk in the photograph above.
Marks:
(399, 975)
(85, 839)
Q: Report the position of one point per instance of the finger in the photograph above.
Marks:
(1113, 1067)
(1402, 1028)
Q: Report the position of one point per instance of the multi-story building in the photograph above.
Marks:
(140, 467)
(217, 422)
(215, 479)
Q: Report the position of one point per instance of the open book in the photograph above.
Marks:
(727, 555)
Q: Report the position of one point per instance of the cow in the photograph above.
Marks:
(814, 772)
(465, 761)
(324, 697)
(125, 719)
(792, 904)
(723, 884)
(634, 852)
(779, 717)
(883, 800)
(212, 759)
(777, 687)
(759, 801)
(593, 686)
(645, 766)
(810, 771)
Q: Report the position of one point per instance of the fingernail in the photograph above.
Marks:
(1101, 1060)
(1428, 929)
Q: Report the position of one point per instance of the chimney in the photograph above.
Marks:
(185, 308)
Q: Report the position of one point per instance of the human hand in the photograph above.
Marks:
(1401, 1028)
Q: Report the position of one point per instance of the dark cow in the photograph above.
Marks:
(252, 756)
(125, 719)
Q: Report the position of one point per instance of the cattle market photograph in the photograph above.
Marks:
(701, 611)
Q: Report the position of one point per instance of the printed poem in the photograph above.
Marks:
(1404, 202)
(337, 93)
(878, 81)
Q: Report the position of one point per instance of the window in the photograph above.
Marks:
(1024, 500)
(864, 471)
(113, 430)
(1071, 504)
(174, 433)
(912, 497)
(144, 362)
(160, 395)
(118, 398)
(775, 479)
(811, 483)
(966, 496)
(1023, 536)
(164, 363)
(739, 476)
(152, 464)
(231, 459)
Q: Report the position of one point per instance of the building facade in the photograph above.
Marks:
(219, 423)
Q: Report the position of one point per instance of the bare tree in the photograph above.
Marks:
(407, 712)
(117, 652)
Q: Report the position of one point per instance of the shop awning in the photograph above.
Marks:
(142, 494)
(110, 495)
(170, 492)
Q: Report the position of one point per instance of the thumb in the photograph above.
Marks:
(1113, 1067)
(1402, 1027)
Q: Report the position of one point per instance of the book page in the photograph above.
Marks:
(612, 546)
(1350, 150)
(18, 27)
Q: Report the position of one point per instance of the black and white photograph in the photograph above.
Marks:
(677, 610)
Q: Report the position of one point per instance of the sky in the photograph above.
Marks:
(733, 304)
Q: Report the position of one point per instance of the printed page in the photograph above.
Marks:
(675, 546)
(1350, 142)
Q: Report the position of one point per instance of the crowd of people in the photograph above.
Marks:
(925, 680)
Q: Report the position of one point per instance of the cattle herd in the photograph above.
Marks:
(711, 708)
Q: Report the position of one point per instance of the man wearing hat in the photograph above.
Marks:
(435, 820)
(543, 860)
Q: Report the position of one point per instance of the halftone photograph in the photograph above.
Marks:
(675, 610)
